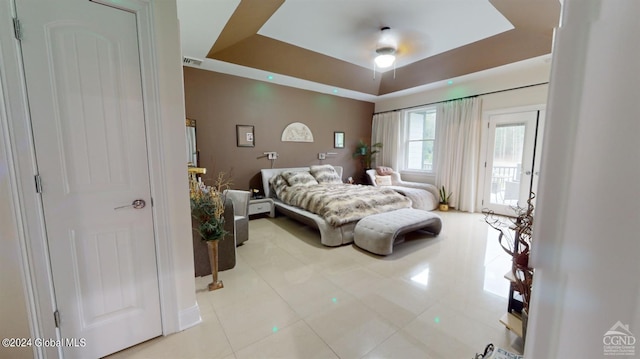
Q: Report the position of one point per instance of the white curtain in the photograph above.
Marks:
(457, 150)
(387, 129)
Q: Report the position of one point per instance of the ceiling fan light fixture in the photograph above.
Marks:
(386, 50)
(386, 57)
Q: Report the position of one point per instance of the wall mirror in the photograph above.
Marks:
(338, 139)
(192, 152)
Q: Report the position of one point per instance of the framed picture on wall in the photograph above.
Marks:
(338, 139)
(244, 136)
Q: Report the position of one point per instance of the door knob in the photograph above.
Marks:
(528, 173)
(137, 204)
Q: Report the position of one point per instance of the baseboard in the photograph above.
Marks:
(189, 317)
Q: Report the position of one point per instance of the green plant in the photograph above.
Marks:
(207, 207)
(444, 197)
(366, 153)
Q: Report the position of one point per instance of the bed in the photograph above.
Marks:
(336, 225)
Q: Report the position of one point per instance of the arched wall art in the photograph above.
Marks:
(297, 132)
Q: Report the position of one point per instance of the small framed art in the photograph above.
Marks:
(245, 136)
(338, 139)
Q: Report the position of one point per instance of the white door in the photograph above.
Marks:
(84, 87)
(509, 160)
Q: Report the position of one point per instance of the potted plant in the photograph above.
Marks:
(366, 153)
(207, 208)
(444, 199)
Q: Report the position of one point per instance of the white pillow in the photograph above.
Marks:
(383, 180)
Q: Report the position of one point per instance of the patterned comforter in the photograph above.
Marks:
(342, 203)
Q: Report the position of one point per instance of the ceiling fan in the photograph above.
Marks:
(386, 49)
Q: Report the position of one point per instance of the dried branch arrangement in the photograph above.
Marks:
(515, 238)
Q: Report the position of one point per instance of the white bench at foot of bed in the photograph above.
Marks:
(379, 232)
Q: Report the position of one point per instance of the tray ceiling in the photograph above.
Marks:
(333, 43)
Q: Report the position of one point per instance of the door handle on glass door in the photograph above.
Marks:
(137, 204)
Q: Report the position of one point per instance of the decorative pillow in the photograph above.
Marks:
(383, 180)
(384, 171)
(278, 184)
(299, 178)
(325, 174)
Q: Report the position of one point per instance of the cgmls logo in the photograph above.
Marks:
(619, 340)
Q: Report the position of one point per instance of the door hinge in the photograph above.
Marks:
(485, 164)
(17, 29)
(38, 183)
(56, 318)
(482, 204)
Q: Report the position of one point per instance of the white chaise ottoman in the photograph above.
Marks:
(379, 232)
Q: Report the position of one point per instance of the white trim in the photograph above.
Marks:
(8, 153)
(36, 271)
(190, 317)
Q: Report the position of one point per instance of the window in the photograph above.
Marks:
(420, 138)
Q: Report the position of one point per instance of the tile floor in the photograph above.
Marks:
(290, 297)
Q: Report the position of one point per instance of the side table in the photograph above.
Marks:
(262, 205)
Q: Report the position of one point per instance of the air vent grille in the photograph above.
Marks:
(191, 61)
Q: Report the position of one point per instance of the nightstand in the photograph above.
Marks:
(262, 205)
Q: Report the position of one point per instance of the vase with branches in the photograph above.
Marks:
(515, 238)
(207, 208)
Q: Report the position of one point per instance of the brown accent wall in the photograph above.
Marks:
(219, 102)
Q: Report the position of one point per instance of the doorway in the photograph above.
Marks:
(510, 146)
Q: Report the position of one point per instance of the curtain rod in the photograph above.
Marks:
(460, 98)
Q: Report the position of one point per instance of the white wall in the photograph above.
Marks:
(529, 96)
(587, 244)
(173, 115)
(524, 73)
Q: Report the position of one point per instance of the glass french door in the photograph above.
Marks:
(509, 166)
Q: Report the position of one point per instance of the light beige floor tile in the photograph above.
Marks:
(357, 281)
(448, 333)
(285, 271)
(313, 295)
(261, 252)
(350, 328)
(294, 341)
(398, 301)
(400, 345)
(255, 318)
(240, 283)
(206, 340)
(291, 297)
